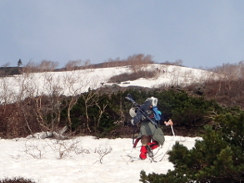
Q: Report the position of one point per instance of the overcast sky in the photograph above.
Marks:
(202, 33)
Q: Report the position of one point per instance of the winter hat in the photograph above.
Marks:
(153, 100)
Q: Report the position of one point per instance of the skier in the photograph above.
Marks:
(151, 135)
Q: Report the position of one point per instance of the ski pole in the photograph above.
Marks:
(170, 122)
(172, 130)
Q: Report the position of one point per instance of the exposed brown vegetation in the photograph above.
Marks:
(136, 63)
(178, 62)
(44, 66)
(228, 93)
(76, 65)
(22, 118)
(134, 60)
(16, 180)
(229, 90)
(133, 76)
(231, 71)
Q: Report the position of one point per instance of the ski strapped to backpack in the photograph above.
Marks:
(128, 97)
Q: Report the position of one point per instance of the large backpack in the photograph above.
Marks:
(149, 108)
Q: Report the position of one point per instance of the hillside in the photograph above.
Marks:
(71, 83)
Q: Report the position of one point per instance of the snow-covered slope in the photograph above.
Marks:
(82, 159)
(74, 82)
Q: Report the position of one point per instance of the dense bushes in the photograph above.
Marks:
(103, 112)
(218, 158)
(188, 113)
(186, 110)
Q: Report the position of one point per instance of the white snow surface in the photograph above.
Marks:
(82, 159)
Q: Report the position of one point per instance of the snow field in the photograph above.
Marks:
(81, 159)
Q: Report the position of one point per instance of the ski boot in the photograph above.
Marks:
(143, 154)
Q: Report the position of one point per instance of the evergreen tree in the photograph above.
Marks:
(217, 158)
(19, 63)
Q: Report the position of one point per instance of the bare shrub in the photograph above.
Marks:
(62, 149)
(16, 180)
(90, 99)
(47, 112)
(44, 66)
(29, 116)
(102, 109)
(77, 64)
(36, 151)
(70, 80)
(231, 71)
(30, 67)
(65, 148)
(137, 62)
(102, 152)
(73, 65)
(47, 106)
